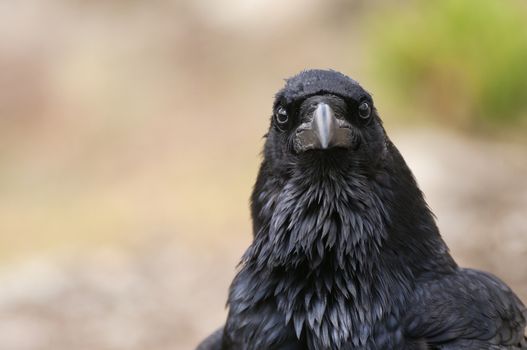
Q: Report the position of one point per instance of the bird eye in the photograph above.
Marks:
(364, 110)
(281, 116)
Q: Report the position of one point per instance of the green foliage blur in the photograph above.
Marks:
(463, 61)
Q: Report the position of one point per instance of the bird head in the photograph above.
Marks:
(321, 115)
(333, 186)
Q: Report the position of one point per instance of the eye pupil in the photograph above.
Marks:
(364, 110)
(281, 116)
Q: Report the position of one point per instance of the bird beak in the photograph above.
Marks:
(324, 124)
(323, 131)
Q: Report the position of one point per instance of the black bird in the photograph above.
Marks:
(346, 253)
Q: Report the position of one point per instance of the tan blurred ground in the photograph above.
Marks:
(129, 141)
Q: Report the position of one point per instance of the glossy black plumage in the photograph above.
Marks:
(346, 253)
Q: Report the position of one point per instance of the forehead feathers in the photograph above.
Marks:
(316, 82)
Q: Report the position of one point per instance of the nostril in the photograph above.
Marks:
(342, 123)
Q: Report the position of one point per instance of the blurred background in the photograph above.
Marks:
(130, 134)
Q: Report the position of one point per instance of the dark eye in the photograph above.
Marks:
(281, 116)
(364, 110)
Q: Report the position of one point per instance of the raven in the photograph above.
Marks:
(346, 253)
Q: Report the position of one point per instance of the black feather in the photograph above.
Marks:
(346, 253)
